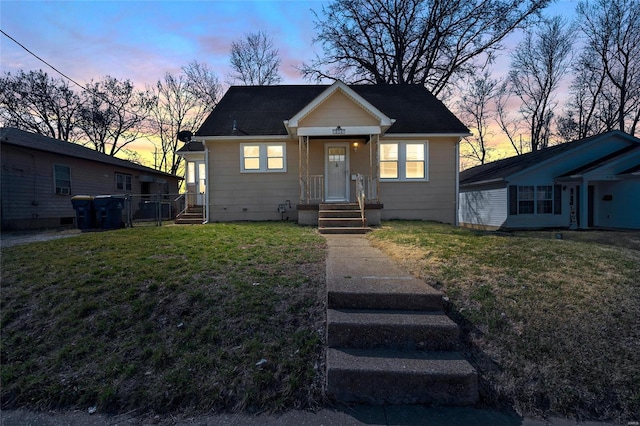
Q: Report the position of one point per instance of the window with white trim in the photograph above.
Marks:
(544, 199)
(403, 161)
(123, 182)
(62, 179)
(191, 172)
(530, 199)
(263, 157)
(525, 199)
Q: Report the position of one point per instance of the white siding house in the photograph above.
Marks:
(593, 182)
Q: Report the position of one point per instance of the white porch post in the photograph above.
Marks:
(584, 205)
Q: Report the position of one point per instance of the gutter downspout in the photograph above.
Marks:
(206, 194)
(457, 201)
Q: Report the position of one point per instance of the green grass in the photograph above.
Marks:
(165, 319)
(553, 325)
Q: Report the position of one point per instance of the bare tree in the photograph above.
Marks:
(113, 114)
(183, 103)
(509, 125)
(612, 31)
(477, 106)
(255, 61)
(538, 65)
(35, 102)
(412, 41)
(582, 109)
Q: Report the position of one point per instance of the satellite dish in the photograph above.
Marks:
(185, 136)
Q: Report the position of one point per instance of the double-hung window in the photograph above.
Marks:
(526, 199)
(263, 157)
(403, 161)
(530, 199)
(123, 182)
(62, 179)
(544, 199)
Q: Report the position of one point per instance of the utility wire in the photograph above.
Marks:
(43, 61)
(84, 88)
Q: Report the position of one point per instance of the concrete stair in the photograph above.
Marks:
(341, 219)
(193, 215)
(389, 342)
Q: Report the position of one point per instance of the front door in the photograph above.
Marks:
(337, 172)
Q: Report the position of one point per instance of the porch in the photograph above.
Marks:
(339, 182)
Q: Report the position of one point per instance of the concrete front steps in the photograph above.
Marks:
(390, 343)
(193, 215)
(341, 219)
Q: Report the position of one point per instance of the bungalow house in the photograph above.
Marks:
(288, 152)
(41, 174)
(592, 182)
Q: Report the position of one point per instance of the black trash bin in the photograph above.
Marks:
(108, 211)
(83, 205)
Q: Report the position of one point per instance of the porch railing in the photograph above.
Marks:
(313, 190)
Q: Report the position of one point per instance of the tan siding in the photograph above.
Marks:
(338, 109)
(28, 191)
(249, 196)
(432, 200)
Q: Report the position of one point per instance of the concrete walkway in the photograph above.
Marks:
(341, 262)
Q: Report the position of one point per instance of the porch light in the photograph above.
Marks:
(339, 131)
(355, 146)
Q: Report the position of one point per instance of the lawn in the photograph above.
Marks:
(171, 319)
(553, 325)
(194, 319)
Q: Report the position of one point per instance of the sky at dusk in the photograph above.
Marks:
(142, 40)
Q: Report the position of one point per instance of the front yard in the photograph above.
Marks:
(553, 325)
(189, 319)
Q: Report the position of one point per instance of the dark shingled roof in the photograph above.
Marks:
(13, 136)
(261, 110)
(501, 169)
(600, 161)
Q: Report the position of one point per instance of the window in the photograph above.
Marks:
(529, 199)
(123, 182)
(263, 157)
(62, 178)
(403, 161)
(525, 200)
(544, 199)
(191, 172)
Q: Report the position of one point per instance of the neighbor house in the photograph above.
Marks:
(41, 174)
(593, 182)
(284, 152)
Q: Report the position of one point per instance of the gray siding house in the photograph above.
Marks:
(589, 183)
(41, 174)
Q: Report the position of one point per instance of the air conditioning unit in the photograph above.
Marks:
(64, 191)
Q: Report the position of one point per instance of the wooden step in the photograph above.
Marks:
(381, 376)
(406, 330)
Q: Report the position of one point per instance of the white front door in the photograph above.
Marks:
(337, 172)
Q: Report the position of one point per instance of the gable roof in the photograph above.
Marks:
(600, 161)
(262, 110)
(17, 137)
(501, 169)
(384, 121)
